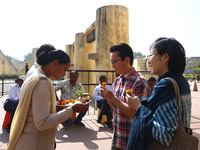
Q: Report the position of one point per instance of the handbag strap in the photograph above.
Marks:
(177, 92)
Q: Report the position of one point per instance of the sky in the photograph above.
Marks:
(27, 24)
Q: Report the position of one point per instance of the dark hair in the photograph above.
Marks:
(73, 72)
(174, 49)
(17, 80)
(152, 79)
(102, 77)
(45, 48)
(46, 57)
(124, 50)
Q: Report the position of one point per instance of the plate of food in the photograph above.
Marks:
(63, 103)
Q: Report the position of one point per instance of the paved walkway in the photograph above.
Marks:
(94, 136)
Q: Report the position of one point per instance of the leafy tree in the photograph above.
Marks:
(137, 54)
(197, 68)
(27, 57)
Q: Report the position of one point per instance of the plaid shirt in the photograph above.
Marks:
(122, 123)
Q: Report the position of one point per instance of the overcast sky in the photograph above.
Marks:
(27, 24)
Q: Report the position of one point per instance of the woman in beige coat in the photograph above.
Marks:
(34, 125)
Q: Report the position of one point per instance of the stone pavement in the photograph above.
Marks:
(94, 136)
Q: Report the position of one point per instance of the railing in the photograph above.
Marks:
(83, 74)
(5, 85)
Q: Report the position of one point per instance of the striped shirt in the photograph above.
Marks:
(122, 123)
(158, 115)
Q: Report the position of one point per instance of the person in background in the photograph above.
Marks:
(198, 77)
(69, 89)
(12, 100)
(151, 83)
(102, 103)
(156, 116)
(122, 60)
(35, 121)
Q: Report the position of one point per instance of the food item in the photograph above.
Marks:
(84, 98)
(60, 101)
(64, 102)
(103, 83)
(79, 92)
(129, 91)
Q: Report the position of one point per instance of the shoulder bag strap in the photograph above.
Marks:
(177, 92)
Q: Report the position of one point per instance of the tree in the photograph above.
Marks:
(27, 57)
(197, 68)
(137, 54)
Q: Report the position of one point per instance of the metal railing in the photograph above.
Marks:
(83, 74)
(5, 85)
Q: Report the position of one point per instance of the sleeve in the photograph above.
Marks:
(97, 96)
(164, 120)
(156, 117)
(140, 129)
(58, 86)
(41, 108)
(12, 93)
(141, 89)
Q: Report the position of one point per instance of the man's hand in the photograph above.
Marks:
(107, 94)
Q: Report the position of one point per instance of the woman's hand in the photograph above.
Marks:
(133, 101)
(80, 107)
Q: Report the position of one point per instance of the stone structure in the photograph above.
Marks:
(33, 58)
(90, 51)
(6, 67)
(191, 62)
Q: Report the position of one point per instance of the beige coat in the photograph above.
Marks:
(39, 130)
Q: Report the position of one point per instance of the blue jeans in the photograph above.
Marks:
(78, 118)
(105, 109)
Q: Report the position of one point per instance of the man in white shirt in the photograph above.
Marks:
(102, 103)
(12, 100)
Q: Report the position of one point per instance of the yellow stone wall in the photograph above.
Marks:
(6, 67)
(110, 27)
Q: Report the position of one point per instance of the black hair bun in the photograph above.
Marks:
(42, 58)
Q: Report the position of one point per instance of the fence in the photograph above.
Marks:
(5, 85)
(84, 77)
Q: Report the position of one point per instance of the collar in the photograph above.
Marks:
(168, 74)
(129, 74)
(41, 72)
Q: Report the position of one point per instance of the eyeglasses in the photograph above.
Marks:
(151, 55)
(115, 61)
